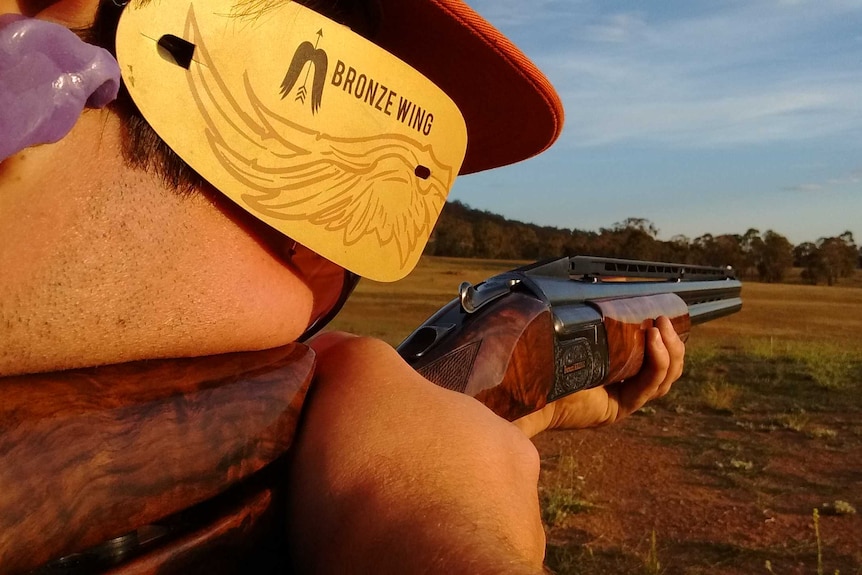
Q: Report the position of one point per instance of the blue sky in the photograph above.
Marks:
(703, 117)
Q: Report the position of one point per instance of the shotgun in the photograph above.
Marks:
(177, 466)
(535, 334)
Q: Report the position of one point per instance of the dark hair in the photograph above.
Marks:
(142, 147)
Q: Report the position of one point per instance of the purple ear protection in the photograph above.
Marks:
(47, 76)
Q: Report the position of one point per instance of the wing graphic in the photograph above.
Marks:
(357, 187)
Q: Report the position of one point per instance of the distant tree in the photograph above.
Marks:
(750, 239)
(553, 242)
(710, 250)
(581, 243)
(453, 234)
(833, 258)
(679, 250)
(774, 257)
(491, 241)
(452, 237)
(525, 243)
(633, 238)
(637, 224)
(700, 247)
(752, 247)
(723, 250)
(466, 232)
(847, 238)
(803, 253)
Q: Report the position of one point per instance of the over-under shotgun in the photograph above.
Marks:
(538, 333)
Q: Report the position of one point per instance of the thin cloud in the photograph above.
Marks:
(620, 27)
(850, 179)
(750, 73)
(806, 188)
(854, 178)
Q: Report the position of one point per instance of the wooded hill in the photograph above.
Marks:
(466, 232)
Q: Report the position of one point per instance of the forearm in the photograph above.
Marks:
(377, 522)
(392, 474)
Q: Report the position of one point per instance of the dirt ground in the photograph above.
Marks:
(722, 493)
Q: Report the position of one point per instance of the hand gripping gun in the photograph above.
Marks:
(535, 334)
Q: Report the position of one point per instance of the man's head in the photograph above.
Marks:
(112, 264)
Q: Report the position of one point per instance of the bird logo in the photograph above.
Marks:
(312, 56)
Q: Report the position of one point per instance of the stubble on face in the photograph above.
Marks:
(104, 264)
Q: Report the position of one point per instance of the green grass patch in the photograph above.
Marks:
(558, 503)
(828, 365)
(785, 377)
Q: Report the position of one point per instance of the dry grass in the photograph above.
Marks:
(562, 496)
(778, 315)
(720, 396)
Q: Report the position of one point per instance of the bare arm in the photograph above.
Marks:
(395, 475)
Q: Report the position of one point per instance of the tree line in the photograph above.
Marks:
(466, 232)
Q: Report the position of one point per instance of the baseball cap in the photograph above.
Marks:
(511, 110)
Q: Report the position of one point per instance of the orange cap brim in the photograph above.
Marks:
(511, 110)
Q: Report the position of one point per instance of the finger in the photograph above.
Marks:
(658, 358)
(635, 392)
(676, 354)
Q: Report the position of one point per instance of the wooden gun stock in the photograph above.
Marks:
(505, 358)
(88, 456)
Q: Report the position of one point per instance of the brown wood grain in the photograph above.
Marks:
(225, 544)
(91, 454)
(511, 357)
(627, 319)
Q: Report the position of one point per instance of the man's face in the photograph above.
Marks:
(103, 263)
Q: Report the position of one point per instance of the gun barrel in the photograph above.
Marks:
(562, 292)
(708, 311)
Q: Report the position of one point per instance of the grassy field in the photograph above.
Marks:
(752, 464)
